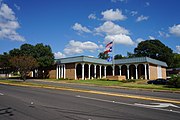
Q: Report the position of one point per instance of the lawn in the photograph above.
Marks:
(139, 84)
(131, 84)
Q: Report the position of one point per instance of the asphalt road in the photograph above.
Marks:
(26, 103)
(108, 89)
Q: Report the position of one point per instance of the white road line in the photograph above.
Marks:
(1, 94)
(158, 105)
(122, 103)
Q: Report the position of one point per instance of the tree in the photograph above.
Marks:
(156, 50)
(118, 56)
(176, 63)
(45, 59)
(102, 55)
(15, 52)
(4, 63)
(42, 53)
(130, 55)
(23, 64)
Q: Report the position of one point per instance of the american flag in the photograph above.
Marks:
(108, 48)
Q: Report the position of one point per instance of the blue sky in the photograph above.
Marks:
(84, 27)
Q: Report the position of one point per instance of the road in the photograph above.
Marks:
(28, 103)
(110, 89)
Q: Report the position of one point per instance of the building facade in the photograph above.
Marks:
(83, 67)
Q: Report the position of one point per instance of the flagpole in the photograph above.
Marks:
(113, 48)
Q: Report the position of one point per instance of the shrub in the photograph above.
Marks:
(128, 80)
(174, 81)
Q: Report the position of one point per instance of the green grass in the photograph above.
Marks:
(138, 84)
(141, 84)
(23, 83)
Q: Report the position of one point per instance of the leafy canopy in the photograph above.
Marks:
(154, 49)
(102, 55)
(42, 53)
(23, 64)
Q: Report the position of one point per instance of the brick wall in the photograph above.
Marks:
(153, 71)
(70, 71)
(116, 77)
(163, 72)
(52, 74)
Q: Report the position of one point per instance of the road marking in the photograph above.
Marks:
(1, 94)
(158, 105)
(100, 93)
(122, 103)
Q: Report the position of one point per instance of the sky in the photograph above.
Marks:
(84, 27)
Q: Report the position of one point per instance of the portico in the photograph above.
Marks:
(84, 67)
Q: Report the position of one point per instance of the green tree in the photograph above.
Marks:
(102, 55)
(130, 55)
(156, 50)
(176, 63)
(118, 56)
(4, 63)
(42, 53)
(27, 49)
(23, 64)
(15, 52)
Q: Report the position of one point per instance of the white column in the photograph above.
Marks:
(105, 71)
(127, 71)
(113, 67)
(95, 71)
(100, 71)
(57, 68)
(75, 76)
(145, 71)
(89, 71)
(149, 71)
(136, 71)
(82, 71)
(64, 71)
(32, 74)
(120, 70)
(59, 71)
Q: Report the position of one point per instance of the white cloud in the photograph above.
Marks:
(152, 38)
(110, 28)
(119, 39)
(163, 34)
(6, 12)
(78, 27)
(59, 55)
(9, 24)
(113, 15)
(178, 49)
(175, 30)
(139, 40)
(133, 13)
(17, 7)
(77, 47)
(92, 16)
(142, 18)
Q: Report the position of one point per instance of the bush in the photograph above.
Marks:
(174, 81)
(128, 80)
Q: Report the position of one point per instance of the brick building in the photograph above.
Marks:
(83, 67)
